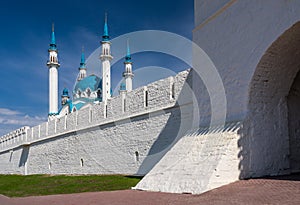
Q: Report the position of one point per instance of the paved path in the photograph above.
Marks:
(255, 191)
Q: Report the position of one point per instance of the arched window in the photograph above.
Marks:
(81, 162)
(88, 92)
(98, 93)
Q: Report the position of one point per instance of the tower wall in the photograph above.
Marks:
(53, 90)
(106, 79)
(128, 82)
(106, 72)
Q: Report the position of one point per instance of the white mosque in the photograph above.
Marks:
(88, 89)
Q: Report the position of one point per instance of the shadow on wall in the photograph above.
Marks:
(24, 156)
(179, 122)
(270, 135)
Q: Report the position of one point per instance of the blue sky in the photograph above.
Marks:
(25, 36)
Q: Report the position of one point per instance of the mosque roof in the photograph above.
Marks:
(79, 105)
(93, 82)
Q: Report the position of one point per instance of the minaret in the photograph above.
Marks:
(128, 74)
(53, 66)
(82, 67)
(65, 97)
(105, 57)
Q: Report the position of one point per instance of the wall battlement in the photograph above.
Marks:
(154, 97)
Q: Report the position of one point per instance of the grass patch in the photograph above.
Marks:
(37, 185)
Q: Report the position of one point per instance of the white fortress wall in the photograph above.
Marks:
(198, 162)
(238, 36)
(89, 142)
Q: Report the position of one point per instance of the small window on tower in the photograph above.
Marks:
(81, 162)
(146, 98)
(137, 157)
(173, 91)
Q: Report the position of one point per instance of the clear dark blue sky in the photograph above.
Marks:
(25, 37)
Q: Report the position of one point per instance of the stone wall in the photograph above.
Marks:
(101, 138)
(198, 162)
(254, 46)
(258, 63)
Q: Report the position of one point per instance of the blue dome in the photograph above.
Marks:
(123, 86)
(93, 82)
(65, 92)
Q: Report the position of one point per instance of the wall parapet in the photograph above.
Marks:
(154, 97)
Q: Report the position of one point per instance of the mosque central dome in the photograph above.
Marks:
(88, 87)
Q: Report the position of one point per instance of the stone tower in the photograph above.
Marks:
(53, 66)
(105, 58)
(128, 74)
(82, 67)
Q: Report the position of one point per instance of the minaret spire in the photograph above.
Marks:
(128, 55)
(105, 58)
(128, 74)
(105, 36)
(82, 62)
(82, 67)
(53, 43)
(53, 66)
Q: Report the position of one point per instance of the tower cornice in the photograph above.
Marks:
(106, 57)
(53, 64)
(127, 74)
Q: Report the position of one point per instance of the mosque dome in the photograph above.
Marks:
(123, 86)
(89, 84)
